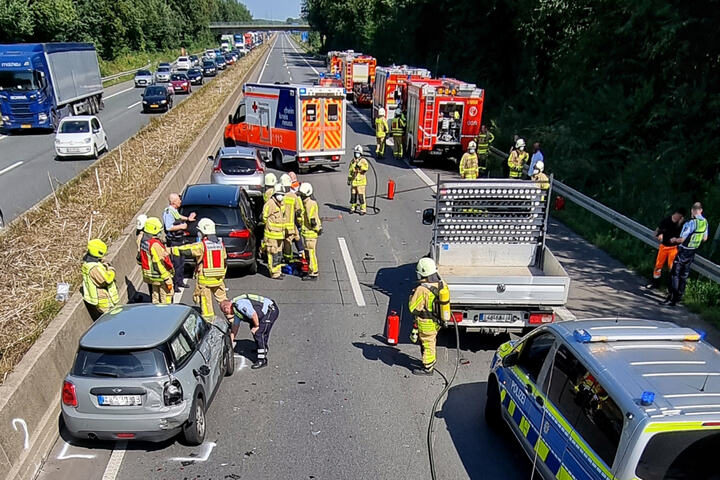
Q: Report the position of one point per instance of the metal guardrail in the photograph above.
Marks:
(122, 74)
(701, 264)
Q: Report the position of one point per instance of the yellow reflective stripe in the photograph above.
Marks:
(524, 426)
(503, 394)
(563, 474)
(511, 408)
(676, 427)
(542, 449)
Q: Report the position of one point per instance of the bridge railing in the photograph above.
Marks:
(701, 264)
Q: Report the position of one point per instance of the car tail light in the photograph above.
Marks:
(457, 317)
(217, 168)
(711, 424)
(539, 318)
(259, 166)
(173, 392)
(303, 159)
(69, 397)
(239, 254)
(125, 435)
(335, 158)
(239, 233)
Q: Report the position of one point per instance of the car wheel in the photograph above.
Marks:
(229, 357)
(253, 268)
(277, 159)
(194, 429)
(95, 152)
(493, 413)
(107, 145)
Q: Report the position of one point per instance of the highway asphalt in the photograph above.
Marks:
(28, 159)
(336, 401)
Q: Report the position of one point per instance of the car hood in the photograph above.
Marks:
(162, 74)
(143, 77)
(72, 138)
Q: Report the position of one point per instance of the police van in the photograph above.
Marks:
(620, 399)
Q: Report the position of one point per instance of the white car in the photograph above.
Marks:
(183, 63)
(80, 136)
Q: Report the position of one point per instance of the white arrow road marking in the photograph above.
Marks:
(64, 456)
(208, 448)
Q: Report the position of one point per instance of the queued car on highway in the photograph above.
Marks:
(239, 166)
(162, 75)
(195, 75)
(180, 83)
(229, 59)
(146, 372)
(157, 98)
(220, 62)
(80, 136)
(194, 60)
(143, 78)
(183, 63)
(209, 69)
(229, 206)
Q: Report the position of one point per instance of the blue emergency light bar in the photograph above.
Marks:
(647, 398)
(664, 334)
(303, 91)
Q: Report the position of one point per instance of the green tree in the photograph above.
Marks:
(16, 20)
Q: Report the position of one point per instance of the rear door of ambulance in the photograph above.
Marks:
(322, 136)
(272, 119)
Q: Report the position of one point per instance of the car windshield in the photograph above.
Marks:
(208, 64)
(227, 216)
(178, 76)
(680, 456)
(193, 71)
(182, 59)
(238, 165)
(143, 73)
(120, 364)
(163, 69)
(75, 126)
(20, 81)
(154, 91)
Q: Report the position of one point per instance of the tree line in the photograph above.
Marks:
(116, 26)
(623, 94)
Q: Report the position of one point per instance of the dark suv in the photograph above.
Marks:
(230, 208)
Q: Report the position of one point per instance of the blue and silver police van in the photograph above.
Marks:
(620, 399)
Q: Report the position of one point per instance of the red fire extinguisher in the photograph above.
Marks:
(559, 202)
(393, 328)
(304, 266)
(391, 189)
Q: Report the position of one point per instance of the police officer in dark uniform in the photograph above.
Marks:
(260, 313)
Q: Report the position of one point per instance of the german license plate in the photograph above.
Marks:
(119, 400)
(25, 125)
(497, 317)
(154, 105)
(74, 150)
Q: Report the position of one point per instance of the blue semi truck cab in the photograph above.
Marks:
(42, 82)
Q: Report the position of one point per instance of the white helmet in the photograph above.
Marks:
(358, 149)
(426, 267)
(140, 222)
(206, 226)
(472, 145)
(306, 189)
(285, 180)
(520, 143)
(280, 189)
(381, 112)
(270, 179)
(539, 166)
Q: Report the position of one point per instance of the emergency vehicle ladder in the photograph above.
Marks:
(428, 118)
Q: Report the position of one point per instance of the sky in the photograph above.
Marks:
(273, 9)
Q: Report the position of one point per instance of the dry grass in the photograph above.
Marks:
(46, 244)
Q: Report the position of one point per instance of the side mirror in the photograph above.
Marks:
(210, 158)
(230, 119)
(428, 216)
(511, 359)
(204, 370)
(142, 95)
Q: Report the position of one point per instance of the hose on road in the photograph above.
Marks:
(374, 206)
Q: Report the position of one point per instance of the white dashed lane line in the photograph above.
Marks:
(118, 93)
(134, 104)
(14, 165)
(354, 283)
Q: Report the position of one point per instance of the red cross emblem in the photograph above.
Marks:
(255, 107)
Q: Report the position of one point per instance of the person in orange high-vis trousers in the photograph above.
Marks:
(668, 229)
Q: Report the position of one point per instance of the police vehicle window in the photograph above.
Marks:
(181, 349)
(533, 353)
(585, 404)
(332, 110)
(680, 456)
(310, 112)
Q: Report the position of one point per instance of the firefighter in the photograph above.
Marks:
(357, 180)
(469, 163)
(423, 305)
(517, 159)
(270, 182)
(293, 217)
(483, 141)
(139, 227)
(157, 267)
(381, 130)
(260, 313)
(539, 176)
(99, 289)
(274, 219)
(397, 127)
(210, 268)
(311, 229)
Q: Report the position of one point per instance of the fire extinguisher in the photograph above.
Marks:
(391, 189)
(393, 327)
(559, 202)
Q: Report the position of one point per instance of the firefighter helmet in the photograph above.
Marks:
(153, 226)
(520, 143)
(539, 166)
(140, 222)
(306, 189)
(280, 190)
(426, 267)
(97, 248)
(285, 180)
(206, 226)
(472, 145)
(270, 179)
(381, 112)
(358, 149)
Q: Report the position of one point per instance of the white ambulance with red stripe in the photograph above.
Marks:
(291, 123)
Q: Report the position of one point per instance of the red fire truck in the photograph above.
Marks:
(357, 69)
(443, 116)
(391, 86)
(334, 61)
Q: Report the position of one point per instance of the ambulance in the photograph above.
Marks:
(443, 116)
(391, 86)
(291, 123)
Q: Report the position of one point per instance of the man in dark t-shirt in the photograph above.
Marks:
(668, 229)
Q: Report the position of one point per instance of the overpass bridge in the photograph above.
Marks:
(222, 28)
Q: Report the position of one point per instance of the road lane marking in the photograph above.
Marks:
(134, 104)
(207, 450)
(303, 57)
(121, 91)
(115, 462)
(63, 455)
(267, 60)
(2, 136)
(14, 165)
(359, 299)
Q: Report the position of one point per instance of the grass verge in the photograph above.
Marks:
(45, 245)
(702, 296)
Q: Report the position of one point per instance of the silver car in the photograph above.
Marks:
(162, 75)
(239, 166)
(146, 372)
(143, 78)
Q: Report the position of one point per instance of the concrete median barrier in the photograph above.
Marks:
(30, 395)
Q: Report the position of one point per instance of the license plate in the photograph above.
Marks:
(74, 150)
(153, 106)
(497, 317)
(119, 400)
(25, 125)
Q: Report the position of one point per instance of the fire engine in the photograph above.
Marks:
(443, 116)
(334, 61)
(327, 80)
(391, 86)
(291, 123)
(357, 69)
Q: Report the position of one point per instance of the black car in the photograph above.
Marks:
(195, 75)
(230, 208)
(220, 63)
(209, 69)
(194, 60)
(156, 98)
